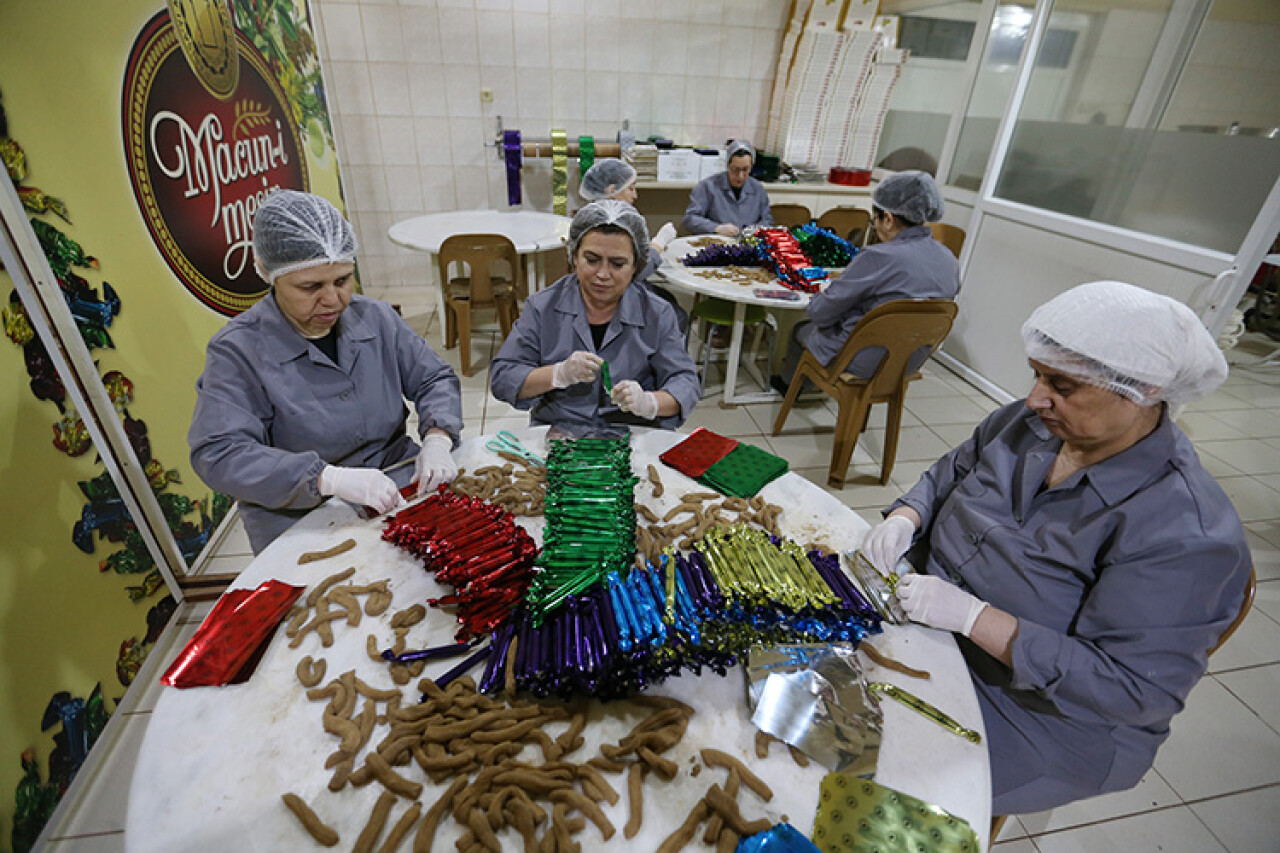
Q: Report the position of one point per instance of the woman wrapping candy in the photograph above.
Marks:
(615, 179)
(1080, 550)
(303, 395)
(551, 362)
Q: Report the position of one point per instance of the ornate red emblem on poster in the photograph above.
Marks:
(208, 134)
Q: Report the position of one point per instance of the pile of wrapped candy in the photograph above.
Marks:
(591, 520)
(586, 622)
(738, 254)
(475, 547)
(823, 247)
(793, 267)
(736, 589)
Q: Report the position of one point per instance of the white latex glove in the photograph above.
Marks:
(727, 229)
(630, 397)
(885, 543)
(938, 603)
(582, 366)
(665, 235)
(360, 486)
(435, 463)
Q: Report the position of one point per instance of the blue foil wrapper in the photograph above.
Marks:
(781, 838)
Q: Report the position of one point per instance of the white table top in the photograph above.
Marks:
(687, 278)
(214, 761)
(529, 230)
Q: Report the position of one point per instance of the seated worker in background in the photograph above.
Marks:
(303, 395)
(730, 201)
(551, 362)
(617, 180)
(1079, 548)
(907, 263)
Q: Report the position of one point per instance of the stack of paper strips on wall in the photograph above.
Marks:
(832, 87)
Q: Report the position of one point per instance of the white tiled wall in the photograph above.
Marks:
(404, 80)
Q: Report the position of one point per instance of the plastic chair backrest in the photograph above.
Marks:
(844, 221)
(789, 215)
(1245, 605)
(478, 252)
(949, 236)
(901, 327)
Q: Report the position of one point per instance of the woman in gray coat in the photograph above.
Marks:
(551, 362)
(302, 396)
(1076, 545)
(730, 201)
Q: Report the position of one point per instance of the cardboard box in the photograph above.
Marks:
(710, 164)
(680, 164)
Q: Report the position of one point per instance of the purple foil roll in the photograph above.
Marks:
(462, 668)
(514, 159)
(494, 670)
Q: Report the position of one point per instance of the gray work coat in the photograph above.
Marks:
(643, 342)
(272, 410)
(1121, 577)
(711, 203)
(912, 265)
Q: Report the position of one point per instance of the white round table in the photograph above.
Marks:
(215, 760)
(532, 232)
(689, 280)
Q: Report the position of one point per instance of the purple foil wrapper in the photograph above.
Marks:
(514, 160)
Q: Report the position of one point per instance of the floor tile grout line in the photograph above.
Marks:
(1244, 668)
(104, 834)
(1251, 709)
(1182, 803)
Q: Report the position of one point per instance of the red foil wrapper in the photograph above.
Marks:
(702, 449)
(228, 644)
(473, 546)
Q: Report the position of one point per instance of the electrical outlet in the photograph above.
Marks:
(486, 96)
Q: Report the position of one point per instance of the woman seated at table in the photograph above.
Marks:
(1080, 550)
(615, 179)
(907, 263)
(730, 201)
(551, 362)
(303, 395)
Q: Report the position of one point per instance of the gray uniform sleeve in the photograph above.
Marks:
(764, 217)
(429, 383)
(673, 368)
(696, 220)
(935, 484)
(230, 435)
(1142, 633)
(520, 354)
(849, 293)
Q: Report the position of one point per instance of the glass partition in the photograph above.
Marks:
(1162, 119)
(939, 37)
(991, 91)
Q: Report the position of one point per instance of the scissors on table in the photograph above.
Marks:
(505, 441)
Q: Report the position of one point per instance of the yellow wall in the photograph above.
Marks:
(62, 68)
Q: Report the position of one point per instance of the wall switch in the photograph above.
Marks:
(486, 96)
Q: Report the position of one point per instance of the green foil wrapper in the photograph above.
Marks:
(859, 815)
(591, 520)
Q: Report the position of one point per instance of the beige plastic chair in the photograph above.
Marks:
(789, 215)
(849, 223)
(478, 287)
(1251, 589)
(949, 236)
(901, 327)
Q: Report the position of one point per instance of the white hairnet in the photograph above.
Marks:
(295, 231)
(912, 195)
(739, 146)
(606, 178)
(611, 211)
(1141, 345)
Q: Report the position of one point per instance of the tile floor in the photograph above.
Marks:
(1216, 782)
